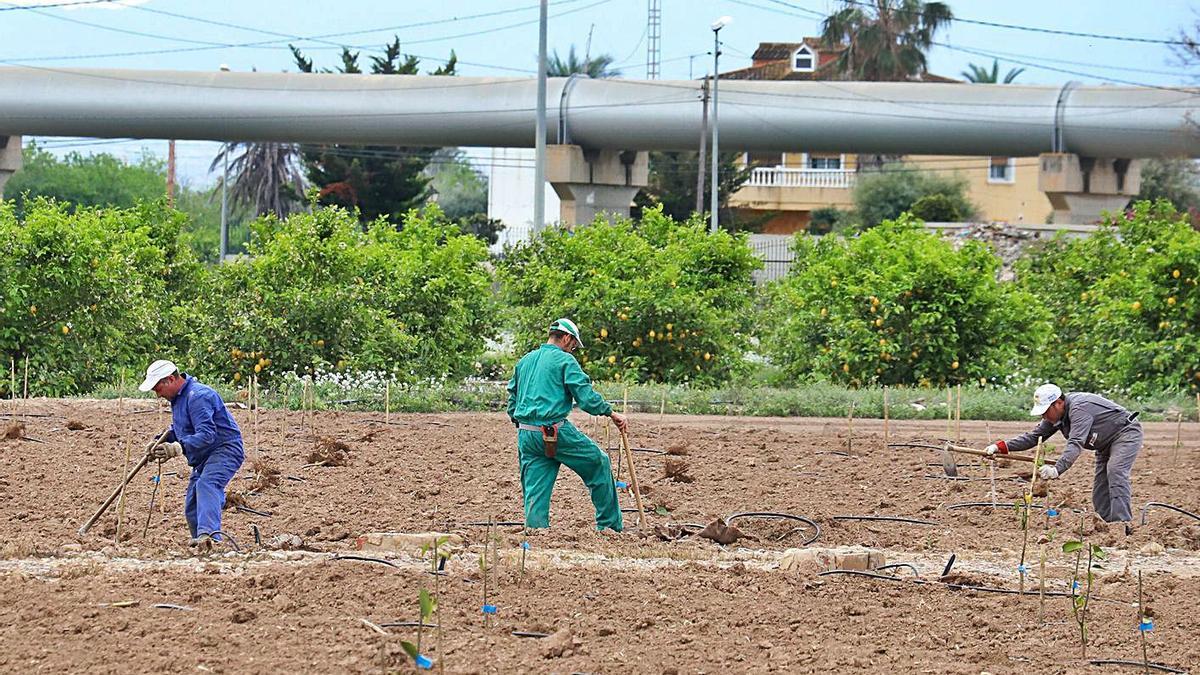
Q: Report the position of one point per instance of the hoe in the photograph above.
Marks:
(948, 463)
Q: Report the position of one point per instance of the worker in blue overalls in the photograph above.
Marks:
(204, 432)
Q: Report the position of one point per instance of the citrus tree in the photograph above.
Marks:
(897, 305)
(657, 300)
(89, 293)
(1126, 303)
(317, 291)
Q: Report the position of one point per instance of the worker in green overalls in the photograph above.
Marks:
(544, 385)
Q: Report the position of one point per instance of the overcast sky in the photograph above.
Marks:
(499, 37)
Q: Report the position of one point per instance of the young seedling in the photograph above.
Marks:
(1027, 501)
(440, 555)
(1081, 601)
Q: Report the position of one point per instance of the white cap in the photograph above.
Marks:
(567, 326)
(157, 371)
(1044, 397)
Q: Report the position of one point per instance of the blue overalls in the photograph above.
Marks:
(212, 444)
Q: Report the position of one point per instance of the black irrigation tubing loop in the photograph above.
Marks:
(1138, 664)
(785, 516)
(891, 519)
(1146, 510)
(915, 571)
(232, 542)
(859, 573)
(364, 558)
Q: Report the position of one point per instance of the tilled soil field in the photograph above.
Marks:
(640, 600)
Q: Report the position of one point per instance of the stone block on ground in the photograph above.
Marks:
(813, 561)
(406, 542)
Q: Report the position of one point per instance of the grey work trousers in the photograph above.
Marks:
(1112, 490)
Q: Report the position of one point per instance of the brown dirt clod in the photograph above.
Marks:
(721, 533)
(678, 449)
(266, 475)
(676, 470)
(15, 430)
(76, 425)
(329, 452)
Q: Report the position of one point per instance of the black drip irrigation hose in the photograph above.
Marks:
(364, 558)
(915, 571)
(785, 516)
(256, 512)
(529, 634)
(503, 523)
(1146, 510)
(957, 587)
(890, 519)
(652, 451)
(232, 542)
(998, 505)
(406, 624)
(1136, 664)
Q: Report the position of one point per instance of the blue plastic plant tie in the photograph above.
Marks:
(1022, 569)
(1052, 512)
(1146, 625)
(1075, 585)
(154, 479)
(525, 545)
(423, 662)
(621, 485)
(490, 609)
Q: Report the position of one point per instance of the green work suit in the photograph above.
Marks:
(544, 385)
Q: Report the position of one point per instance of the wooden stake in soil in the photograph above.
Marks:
(958, 416)
(886, 435)
(662, 411)
(1178, 431)
(850, 431)
(387, 402)
(26, 397)
(949, 411)
(633, 482)
(1042, 585)
(121, 497)
(12, 391)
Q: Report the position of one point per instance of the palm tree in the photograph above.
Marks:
(265, 176)
(980, 75)
(884, 40)
(598, 67)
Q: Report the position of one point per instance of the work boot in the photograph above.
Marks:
(203, 543)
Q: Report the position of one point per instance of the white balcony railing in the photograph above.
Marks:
(801, 178)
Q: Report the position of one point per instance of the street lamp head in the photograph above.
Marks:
(224, 67)
(721, 23)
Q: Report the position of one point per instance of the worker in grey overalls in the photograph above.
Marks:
(1093, 422)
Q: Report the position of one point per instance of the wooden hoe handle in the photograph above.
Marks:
(981, 453)
(117, 491)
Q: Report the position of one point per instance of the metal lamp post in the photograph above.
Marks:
(716, 29)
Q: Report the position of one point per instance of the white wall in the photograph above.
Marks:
(510, 194)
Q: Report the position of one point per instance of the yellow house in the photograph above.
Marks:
(785, 188)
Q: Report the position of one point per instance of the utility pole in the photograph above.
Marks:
(539, 165)
(716, 76)
(171, 174)
(653, 39)
(703, 148)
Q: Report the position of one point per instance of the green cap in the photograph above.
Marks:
(567, 326)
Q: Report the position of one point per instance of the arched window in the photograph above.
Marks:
(804, 60)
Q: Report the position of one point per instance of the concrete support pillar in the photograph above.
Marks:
(1081, 189)
(591, 182)
(10, 158)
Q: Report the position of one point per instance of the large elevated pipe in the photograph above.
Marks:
(909, 118)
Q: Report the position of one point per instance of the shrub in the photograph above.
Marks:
(317, 290)
(657, 300)
(827, 219)
(88, 293)
(886, 194)
(937, 208)
(1126, 302)
(897, 305)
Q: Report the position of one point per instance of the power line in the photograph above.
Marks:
(1010, 26)
(273, 44)
(77, 3)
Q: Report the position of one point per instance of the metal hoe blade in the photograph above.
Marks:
(948, 463)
